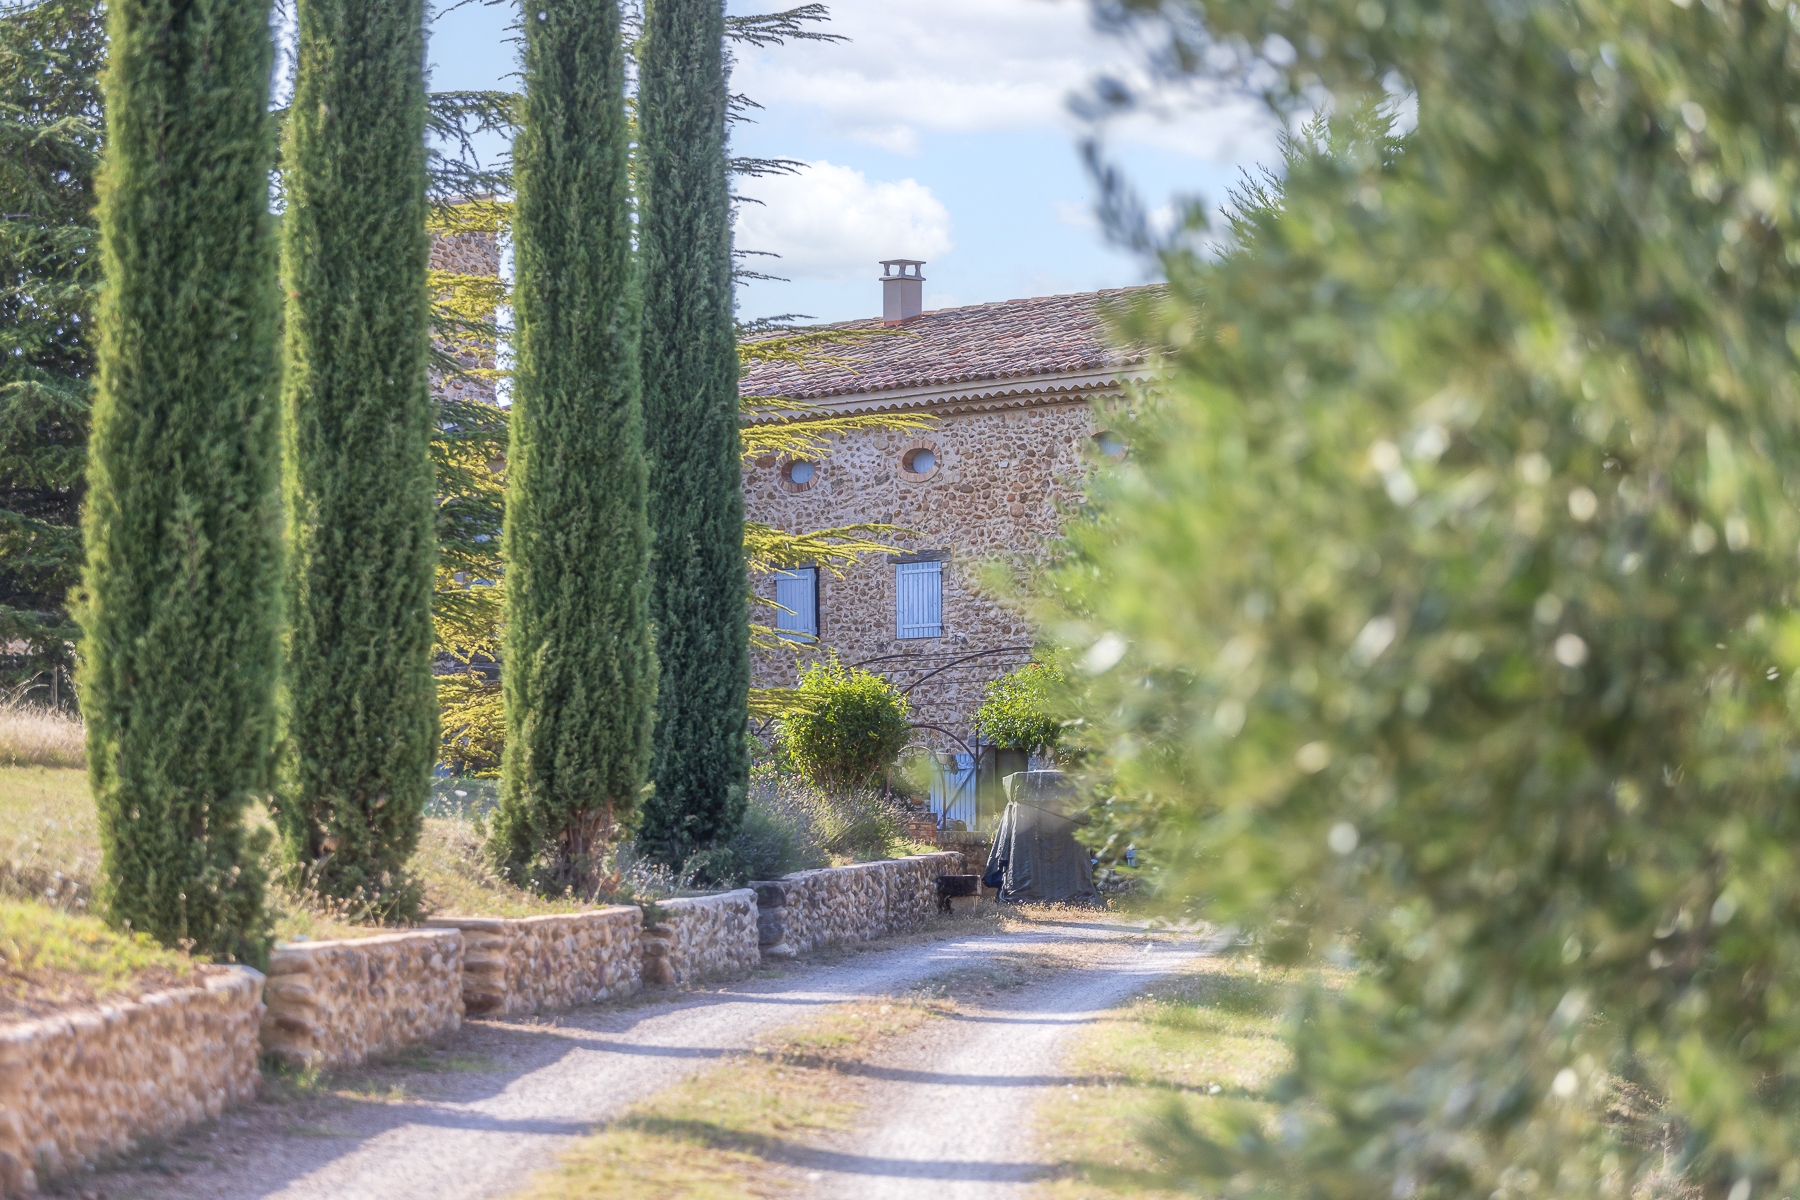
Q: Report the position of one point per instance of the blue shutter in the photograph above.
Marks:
(798, 594)
(919, 600)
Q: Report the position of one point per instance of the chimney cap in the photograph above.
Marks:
(888, 266)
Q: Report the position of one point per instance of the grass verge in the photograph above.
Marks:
(50, 853)
(743, 1127)
(50, 960)
(49, 838)
(1195, 1043)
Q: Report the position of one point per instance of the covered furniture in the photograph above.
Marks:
(1035, 855)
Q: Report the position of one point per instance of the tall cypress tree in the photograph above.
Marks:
(362, 711)
(579, 674)
(691, 412)
(50, 131)
(183, 523)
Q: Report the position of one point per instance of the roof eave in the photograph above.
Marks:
(1014, 391)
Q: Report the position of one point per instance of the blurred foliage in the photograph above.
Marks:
(1015, 709)
(1441, 619)
(851, 729)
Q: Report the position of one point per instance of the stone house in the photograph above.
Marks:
(1011, 389)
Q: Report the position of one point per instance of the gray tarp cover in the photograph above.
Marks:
(1036, 847)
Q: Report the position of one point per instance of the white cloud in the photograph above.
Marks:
(831, 224)
(1069, 212)
(969, 66)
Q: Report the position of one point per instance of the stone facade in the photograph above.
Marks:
(1021, 397)
(532, 964)
(90, 1083)
(835, 906)
(336, 1003)
(994, 495)
(702, 937)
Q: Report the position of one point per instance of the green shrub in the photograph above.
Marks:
(775, 835)
(854, 732)
(1014, 713)
(1441, 620)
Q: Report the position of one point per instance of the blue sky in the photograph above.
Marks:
(940, 131)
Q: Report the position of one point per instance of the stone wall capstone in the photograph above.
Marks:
(89, 1083)
(531, 964)
(834, 906)
(702, 937)
(336, 1003)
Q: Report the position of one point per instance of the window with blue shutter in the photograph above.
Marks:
(798, 594)
(919, 599)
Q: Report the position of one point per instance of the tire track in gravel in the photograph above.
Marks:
(956, 1107)
(475, 1134)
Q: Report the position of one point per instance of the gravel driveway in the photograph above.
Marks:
(518, 1091)
(956, 1107)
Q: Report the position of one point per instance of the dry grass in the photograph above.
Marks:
(50, 852)
(1199, 1043)
(34, 736)
(744, 1127)
(51, 960)
(458, 878)
(49, 839)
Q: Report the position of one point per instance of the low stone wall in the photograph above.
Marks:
(973, 847)
(703, 937)
(529, 964)
(834, 906)
(90, 1083)
(333, 1004)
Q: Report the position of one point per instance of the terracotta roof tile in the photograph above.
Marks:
(1042, 336)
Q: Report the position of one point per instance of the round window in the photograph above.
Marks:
(1111, 444)
(801, 472)
(920, 462)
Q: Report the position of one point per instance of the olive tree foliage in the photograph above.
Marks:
(1441, 621)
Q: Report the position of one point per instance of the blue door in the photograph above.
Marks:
(953, 792)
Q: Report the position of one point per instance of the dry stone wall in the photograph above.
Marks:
(993, 493)
(973, 847)
(88, 1084)
(702, 937)
(91, 1083)
(336, 1003)
(833, 906)
(531, 964)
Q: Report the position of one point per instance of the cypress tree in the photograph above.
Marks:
(699, 582)
(362, 705)
(50, 131)
(579, 672)
(183, 523)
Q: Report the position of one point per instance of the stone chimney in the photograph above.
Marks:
(902, 288)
